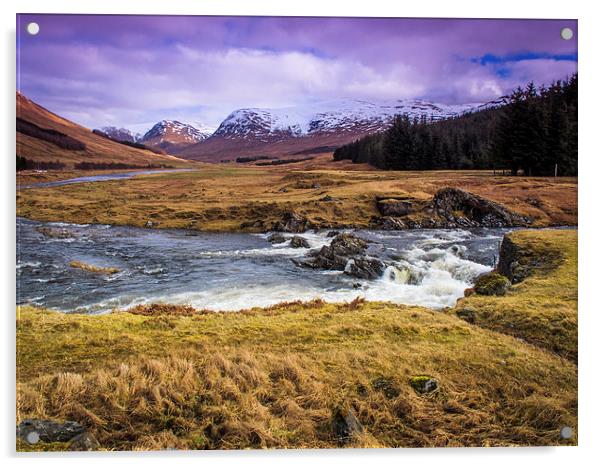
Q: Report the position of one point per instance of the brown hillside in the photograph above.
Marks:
(97, 149)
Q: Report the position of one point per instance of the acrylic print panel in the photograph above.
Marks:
(269, 232)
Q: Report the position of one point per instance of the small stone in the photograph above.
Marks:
(149, 224)
(84, 442)
(424, 384)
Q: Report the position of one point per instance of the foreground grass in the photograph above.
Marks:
(231, 198)
(542, 309)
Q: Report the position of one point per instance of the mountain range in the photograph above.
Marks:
(275, 132)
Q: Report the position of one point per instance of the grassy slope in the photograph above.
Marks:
(218, 198)
(543, 308)
(274, 377)
(98, 148)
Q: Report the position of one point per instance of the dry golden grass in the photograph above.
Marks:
(230, 198)
(163, 377)
(542, 309)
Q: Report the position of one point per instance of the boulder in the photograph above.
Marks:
(365, 267)
(332, 234)
(299, 242)
(517, 262)
(291, 222)
(424, 384)
(49, 431)
(492, 284)
(392, 223)
(469, 210)
(335, 256)
(276, 238)
(345, 425)
(394, 207)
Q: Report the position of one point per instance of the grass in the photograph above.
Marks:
(542, 309)
(230, 198)
(164, 376)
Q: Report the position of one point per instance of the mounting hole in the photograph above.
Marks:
(33, 29)
(32, 437)
(566, 432)
(566, 33)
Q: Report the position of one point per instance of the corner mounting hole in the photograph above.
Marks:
(566, 33)
(33, 29)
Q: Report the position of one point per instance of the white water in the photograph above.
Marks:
(236, 271)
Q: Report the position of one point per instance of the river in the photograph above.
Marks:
(231, 271)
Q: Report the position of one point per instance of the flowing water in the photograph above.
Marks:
(101, 177)
(230, 271)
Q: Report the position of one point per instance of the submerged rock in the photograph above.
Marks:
(345, 425)
(48, 431)
(365, 267)
(57, 233)
(277, 238)
(299, 242)
(492, 284)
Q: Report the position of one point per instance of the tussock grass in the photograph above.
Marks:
(275, 377)
(542, 309)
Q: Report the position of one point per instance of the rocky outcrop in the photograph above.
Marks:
(277, 238)
(470, 210)
(291, 222)
(518, 262)
(424, 384)
(449, 208)
(44, 430)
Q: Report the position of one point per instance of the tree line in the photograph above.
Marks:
(533, 132)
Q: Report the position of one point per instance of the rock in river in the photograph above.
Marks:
(299, 242)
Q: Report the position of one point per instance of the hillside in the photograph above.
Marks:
(84, 146)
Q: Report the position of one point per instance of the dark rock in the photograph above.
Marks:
(298, 242)
(424, 384)
(469, 210)
(336, 255)
(492, 284)
(84, 442)
(518, 262)
(386, 386)
(291, 222)
(365, 267)
(49, 431)
(284, 189)
(327, 198)
(468, 314)
(332, 233)
(316, 186)
(345, 425)
(394, 207)
(392, 223)
(277, 238)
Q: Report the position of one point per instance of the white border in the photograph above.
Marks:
(590, 167)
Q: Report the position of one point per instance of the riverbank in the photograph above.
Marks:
(233, 198)
(315, 375)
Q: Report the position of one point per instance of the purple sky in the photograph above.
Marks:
(133, 71)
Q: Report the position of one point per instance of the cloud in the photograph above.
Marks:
(133, 71)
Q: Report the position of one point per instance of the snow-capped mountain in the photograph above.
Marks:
(120, 134)
(346, 116)
(170, 134)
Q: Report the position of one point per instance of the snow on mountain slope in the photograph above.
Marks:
(168, 133)
(328, 117)
(120, 134)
